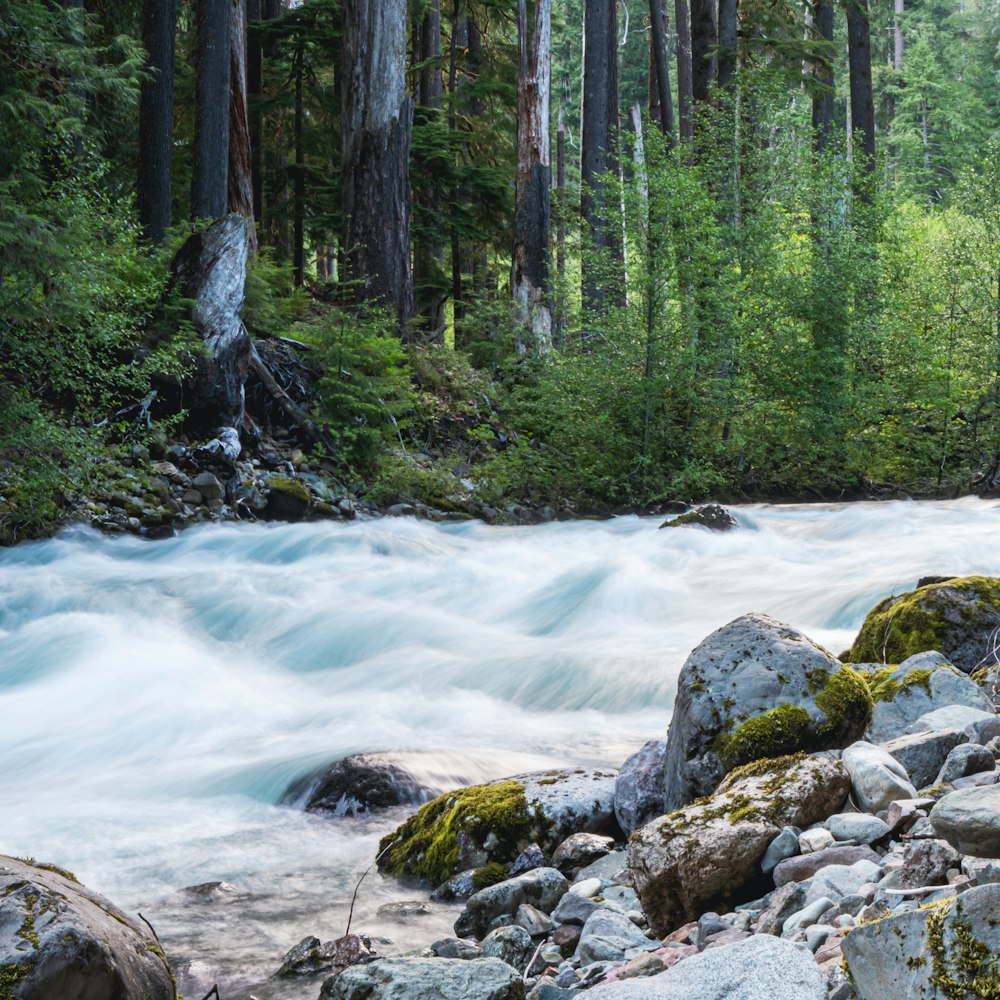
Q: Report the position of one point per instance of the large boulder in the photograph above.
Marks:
(356, 786)
(493, 823)
(541, 887)
(757, 689)
(639, 787)
(969, 819)
(760, 968)
(947, 950)
(706, 853)
(923, 754)
(426, 979)
(959, 617)
(711, 516)
(59, 939)
(877, 778)
(920, 684)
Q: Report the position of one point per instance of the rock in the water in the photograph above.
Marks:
(756, 689)
(922, 754)
(474, 826)
(958, 617)
(712, 516)
(759, 968)
(969, 820)
(541, 887)
(948, 950)
(309, 956)
(356, 786)
(455, 948)
(426, 979)
(59, 939)
(876, 777)
(687, 860)
(639, 787)
(968, 758)
(920, 684)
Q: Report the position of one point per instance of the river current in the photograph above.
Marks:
(157, 698)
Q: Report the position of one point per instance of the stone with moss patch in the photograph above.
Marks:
(757, 689)
(288, 499)
(959, 617)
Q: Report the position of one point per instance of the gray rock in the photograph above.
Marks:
(510, 944)
(536, 923)
(969, 758)
(60, 940)
(785, 845)
(455, 948)
(541, 887)
(876, 777)
(859, 827)
(816, 839)
(711, 516)
(426, 979)
(685, 861)
(740, 673)
(783, 903)
(836, 881)
(639, 787)
(574, 909)
(612, 868)
(903, 813)
(922, 754)
(356, 786)
(983, 730)
(609, 936)
(758, 968)
(208, 486)
(709, 924)
(531, 857)
(579, 850)
(458, 887)
(969, 819)
(948, 717)
(920, 684)
(913, 954)
(925, 862)
(798, 869)
(807, 916)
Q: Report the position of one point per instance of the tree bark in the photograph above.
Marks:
(255, 92)
(822, 99)
(599, 139)
(375, 123)
(704, 36)
(532, 215)
(685, 73)
(156, 118)
(299, 179)
(240, 180)
(728, 32)
(662, 109)
(561, 202)
(859, 51)
(897, 36)
(211, 141)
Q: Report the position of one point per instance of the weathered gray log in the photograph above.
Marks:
(210, 268)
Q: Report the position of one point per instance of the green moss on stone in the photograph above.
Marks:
(11, 976)
(427, 844)
(963, 966)
(489, 874)
(779, 731)
(847, 704)
(290, 487)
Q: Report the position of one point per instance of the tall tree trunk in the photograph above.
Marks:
(240, 182)
(530, 260)
(897, 36)
(375, 122)
(459, 256)
(859, 53)
(704, 36)
(255, 93)
(685, 73)
(429, 291)
(822, 100)
(209, 196)
(662, 108)
(562, 204)
(728, 32)
(156, 117)
(599, 141)
(299, 181)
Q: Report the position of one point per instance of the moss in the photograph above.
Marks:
(885, 685)
(847, 704)
(961, 966)
(899, 627)
(427, 844)
(290, 487)
(66, 874)
(11, 976)
(779, 731)
(758, 768)
(489, 874)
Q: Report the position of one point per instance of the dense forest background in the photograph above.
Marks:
(553, 251)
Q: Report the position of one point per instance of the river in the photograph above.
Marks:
(157, 697)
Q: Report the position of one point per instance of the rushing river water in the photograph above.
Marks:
(157, 698)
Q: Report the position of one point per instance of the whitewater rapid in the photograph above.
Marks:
(157, 698)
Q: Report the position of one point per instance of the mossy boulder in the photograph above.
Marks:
(288, 498)
(959, 617)
(757, 689)
(59, 939)
(711, 516)
(483, 824)
(709, 852)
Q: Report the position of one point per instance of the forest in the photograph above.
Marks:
(576, 253)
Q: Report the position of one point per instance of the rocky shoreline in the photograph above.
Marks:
(812, 828)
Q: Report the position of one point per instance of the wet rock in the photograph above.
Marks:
(59, 939)
(579, 850)
(923, 754)
(208, 486)
(458, 887)
(711, 516)
(288, 498)
(541, 887)
(356, 786)
(685, 861)
(530, 857)
(756, 689)
(309, 956)
(969, 819)
(876, 777)
(639, 787)
(958, 617)
(426, 979)
(455, 948)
